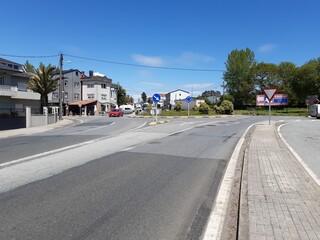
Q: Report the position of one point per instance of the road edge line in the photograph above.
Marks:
(304, 165)
(218, 215)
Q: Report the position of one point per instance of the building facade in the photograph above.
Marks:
(100, 88)
(14, 94)
(172, 97)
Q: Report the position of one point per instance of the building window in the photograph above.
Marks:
(76, 84)
(66, 83)
(103, 85)
(15, 67)
(103, 96)
(65, 95)
(90, 96)
(1, 80)
(10, 65)
(90, 86)
(55, 95)
(77, 73)
(76, 96)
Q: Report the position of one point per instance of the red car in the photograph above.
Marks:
(116, 113)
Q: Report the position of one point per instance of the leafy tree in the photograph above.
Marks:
(239, 81)
(226, 107)
(204, 108)
(287, 72)
(177, 107)
(307, 80)
(149, 100)
(144, 97)
(122, 96)
(266, 76)
(42, 81)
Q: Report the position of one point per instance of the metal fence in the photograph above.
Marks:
(12, 118)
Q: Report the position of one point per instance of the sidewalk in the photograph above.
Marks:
(32, 130)
(279, 199)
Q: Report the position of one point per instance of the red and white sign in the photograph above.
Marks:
(269, 92)
(277, 100)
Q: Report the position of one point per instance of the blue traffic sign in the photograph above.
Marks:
(156, 97)
(188, 99)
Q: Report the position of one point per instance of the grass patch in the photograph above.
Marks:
(275, 111)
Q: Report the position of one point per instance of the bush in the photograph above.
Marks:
(195, 108)
(177, 107)
(226, 107)
(204, 108)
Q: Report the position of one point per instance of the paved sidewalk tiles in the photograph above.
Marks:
(283, 200)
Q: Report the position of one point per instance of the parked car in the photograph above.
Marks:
(116, 113)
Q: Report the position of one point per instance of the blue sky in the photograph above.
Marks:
(185, 34)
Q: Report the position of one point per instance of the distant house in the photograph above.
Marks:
(194, 102)
(14, 95)
(71, 88)
(101, 89)
(172, 97)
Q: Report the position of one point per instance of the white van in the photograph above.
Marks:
(315, 110)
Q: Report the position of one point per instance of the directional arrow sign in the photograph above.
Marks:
(269, 92)
(156, 97)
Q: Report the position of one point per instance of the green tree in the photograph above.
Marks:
(122, 96)
(204, 108)
(42, 81)
(226, 107)
(149, 100)
(144, 97)
(266, 76)
(239, 81)
(177, 107)
(287, 72)
(307, 81)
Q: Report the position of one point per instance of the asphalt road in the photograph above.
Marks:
(155, 182)
(87, 129)
(304, 138)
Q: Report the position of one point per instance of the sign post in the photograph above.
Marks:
(156, 98)
(269, 92)
(188, 100)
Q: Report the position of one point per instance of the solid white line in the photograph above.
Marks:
(216, 219)
(311, 173)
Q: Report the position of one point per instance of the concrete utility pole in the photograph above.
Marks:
(60, 87)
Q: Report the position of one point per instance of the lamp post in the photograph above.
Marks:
(60, 87)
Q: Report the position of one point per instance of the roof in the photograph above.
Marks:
(11, 66)
(67, 71)
(178, 90)
(96, 78)
(82, 102)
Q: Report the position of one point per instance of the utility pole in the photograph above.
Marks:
(60, 87)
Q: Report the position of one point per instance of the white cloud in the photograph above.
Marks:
(98, 74)
(152, 83)
(191, 57)
(198, 85)
(267, 48)
(149, 61)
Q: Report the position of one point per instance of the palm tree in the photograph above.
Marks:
(42, 81)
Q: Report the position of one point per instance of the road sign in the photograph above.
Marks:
(156, 97)
(188, 99)
(277, 100)
(269, 92)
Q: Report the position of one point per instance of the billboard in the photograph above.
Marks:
(277, 100)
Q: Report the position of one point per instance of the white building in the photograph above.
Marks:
(101, 89)
(175, 95)
(14, 95)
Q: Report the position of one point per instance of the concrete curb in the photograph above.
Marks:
(158, 122)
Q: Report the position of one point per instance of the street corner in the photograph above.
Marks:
(153, 123)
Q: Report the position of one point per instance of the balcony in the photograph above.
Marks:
(14, 92)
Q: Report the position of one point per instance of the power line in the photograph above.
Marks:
(117, 63)
(25, 56)
(146, 66)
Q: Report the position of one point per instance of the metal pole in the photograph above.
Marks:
(269, 110)
(188, 109)
(60, 87)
